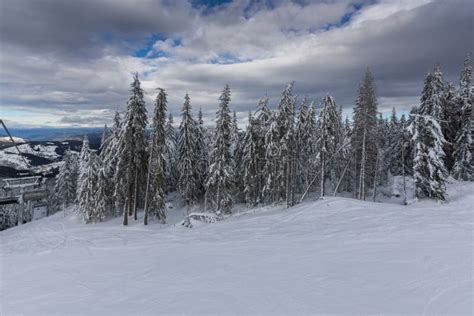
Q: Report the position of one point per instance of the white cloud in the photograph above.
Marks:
(272, 46)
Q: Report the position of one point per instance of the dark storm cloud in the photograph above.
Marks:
(71, 55)
(86, 27)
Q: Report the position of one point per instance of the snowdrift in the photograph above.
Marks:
(334, 256)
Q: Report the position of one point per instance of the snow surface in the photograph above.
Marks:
(333, 256)
(7, 139)
(45, 151)
(10, 157)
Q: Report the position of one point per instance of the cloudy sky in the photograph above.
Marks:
(70, 63)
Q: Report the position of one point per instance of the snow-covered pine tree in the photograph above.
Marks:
(130, 171)
(104, 194)
(187, 156)
(261, 121)
(450, 123)
(108, 160)
(313, 135)
(250, 164)
(394, 150)
(273, 176)
(330, 139)
(463, 161)
(238, 167)
(429, 170)
(303, 146)
(408, 145)
(170, 157)
(155, 187)
(203, 152)
(286, 127)
(344, 176)
(83, 162)
(87, 201)
(364, 142)
(382, 163)
(219, 183)
(65, 188)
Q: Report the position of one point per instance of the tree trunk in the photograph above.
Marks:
(375, 175)
(403, 173)
(125, 215)
(323, 173)
(135, 202)
(362, 170)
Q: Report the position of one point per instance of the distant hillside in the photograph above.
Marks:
(41, 134)
(41, 156)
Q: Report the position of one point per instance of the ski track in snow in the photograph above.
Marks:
(333, 256)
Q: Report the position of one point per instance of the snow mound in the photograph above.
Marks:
(333, 256)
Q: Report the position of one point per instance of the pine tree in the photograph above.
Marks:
(108, 160)
(104, 192)
(83, 163)
(203, 153)
(330, 138)
(188, 159)
(345, 179)
(155, 188)
(170, 159)
(303, 154)
(130, 173)
(273, 176)
(87, 206)
(364, 142)
(250, 164)
(450, 122)
(261, 121)
(429, 169)
(394, 150)
(65, 188)
(219, 182)
(463, 162)
(286, 126)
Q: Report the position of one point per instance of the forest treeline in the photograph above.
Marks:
(299, 147)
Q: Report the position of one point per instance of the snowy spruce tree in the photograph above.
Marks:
(429, 170)
(130, 172)
(463, 168)
(303, 142)
(450, 122)
(219, 183)
(364, 141)
(287, 152)
(65, 188)
(330, 139)
(88, 186)
(83, 164)
(250, 164)
(108, 160)
(170, 155)
(261, 120)
(155, 184)
(188, 156)
(104, 194)
(273, 176)
(203, 153)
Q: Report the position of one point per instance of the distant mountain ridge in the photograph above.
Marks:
(60, 133)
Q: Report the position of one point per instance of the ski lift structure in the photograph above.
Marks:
(28, 192)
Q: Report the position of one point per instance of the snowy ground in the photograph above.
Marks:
(336, 256)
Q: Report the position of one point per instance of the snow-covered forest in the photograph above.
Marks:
(296, 147)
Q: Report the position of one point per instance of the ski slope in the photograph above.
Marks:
(333, 256)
